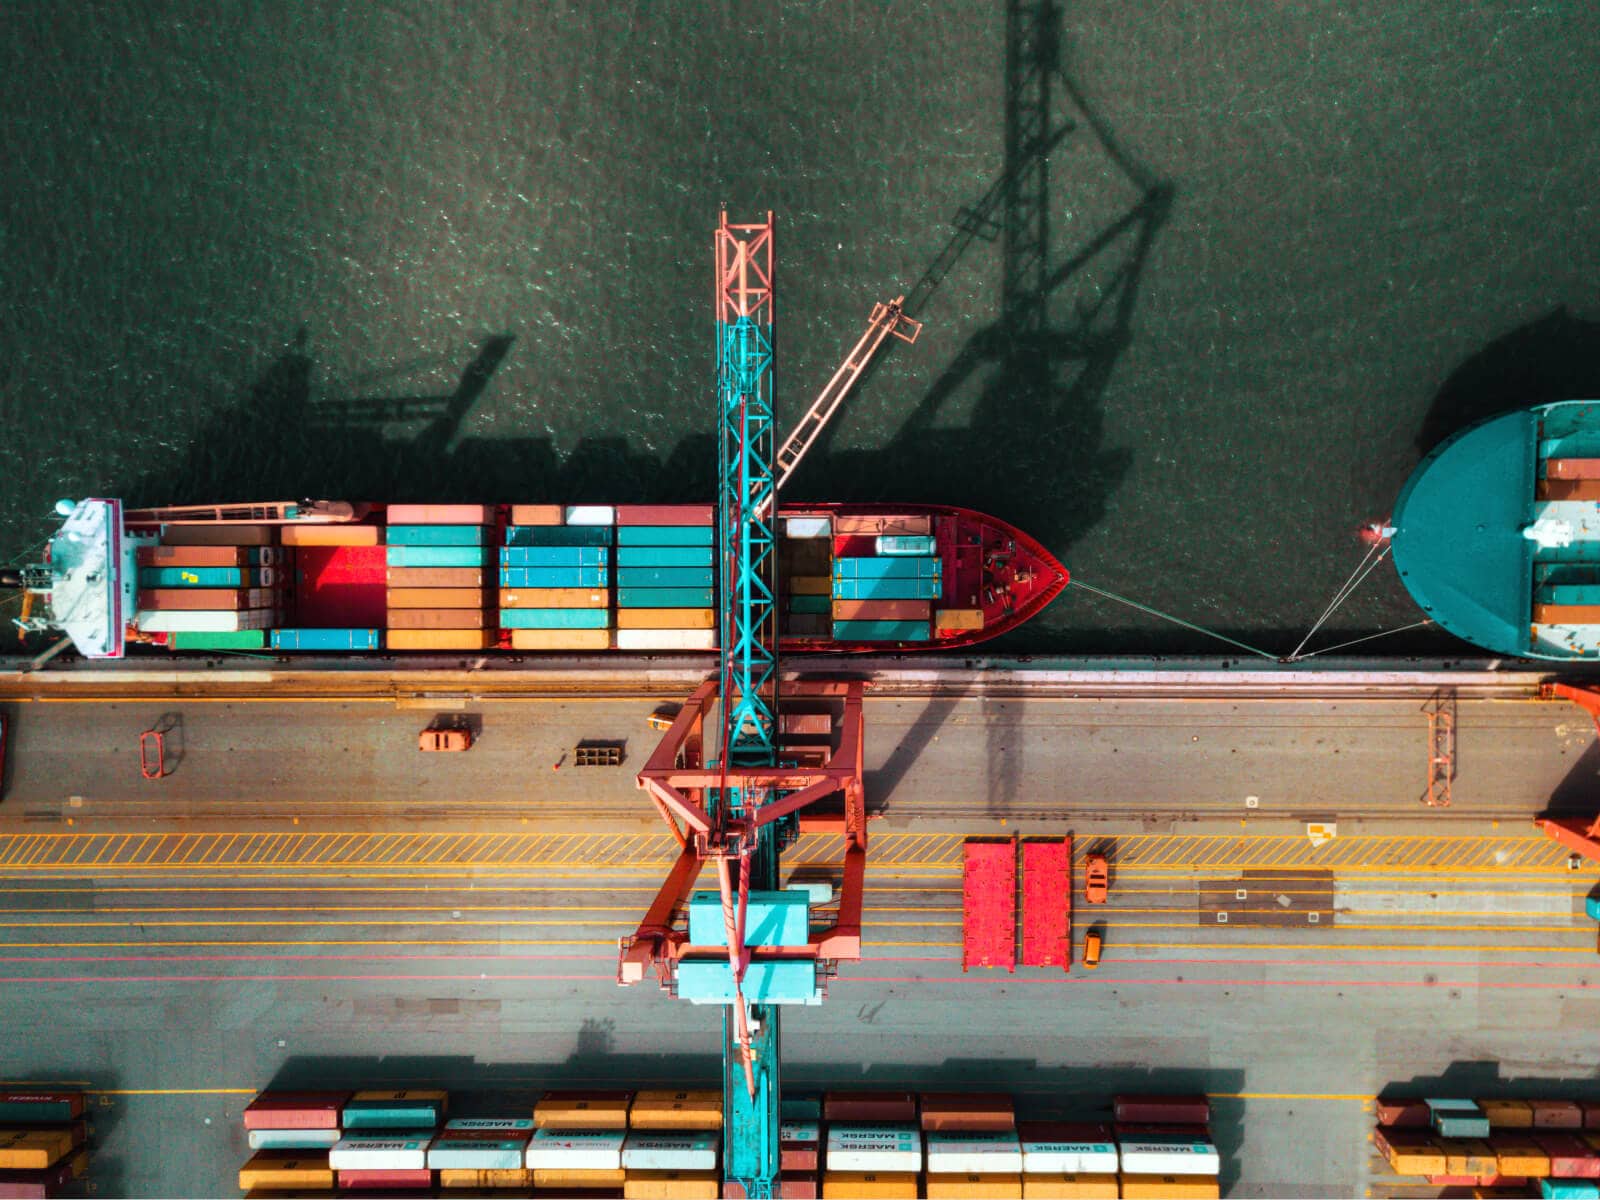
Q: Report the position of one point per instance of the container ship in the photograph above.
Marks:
(323, 577)
(1497, 533)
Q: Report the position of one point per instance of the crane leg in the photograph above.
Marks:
(751, 1123)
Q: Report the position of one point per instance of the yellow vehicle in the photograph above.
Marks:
(1091, 949)
(445, 738)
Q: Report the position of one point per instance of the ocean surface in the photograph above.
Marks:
(1248, 261)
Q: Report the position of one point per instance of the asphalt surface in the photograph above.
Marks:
(453, 919)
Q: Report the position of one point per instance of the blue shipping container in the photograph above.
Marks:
(880, 631)
(886, 589)
(665, 556)
(766, 981)
(324, 639)
(435, 535)
(886, 568)
(644, 597)
(667, 577)
(555, 618)
(664, 535)
(434, 556)
(559, 535)
(781, 918)
(554, 556)
(554, 577)
(204, 577)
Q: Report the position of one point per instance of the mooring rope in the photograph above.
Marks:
(1376, 553)
(1357, 641)
(1156, 612)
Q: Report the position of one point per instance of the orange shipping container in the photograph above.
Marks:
(440, 514)
(881, 610)
(206, 556)
(869, 1185)
(33, 1149)
(435, 598)
(1519, 1155)
(1065, 1185)
(536, 514)
(810, 585)
(1563, 614)
(205, 599)
(701, 1109)
(432, 577)
(1467, 1156)
(553, 598)
(561, 639)
(220, 535)
(461, 1178)
(958, 618)
(583, 1110)
(1572, 468)
(332, 535)
(1170, 1187)
(974, 1187)
(438, 639)
(894, 526)
(560, 1177)
(973, 1112)
(672, 1185)
(1567, 489)
(285, 1169)
(666, 618)
(435, 618)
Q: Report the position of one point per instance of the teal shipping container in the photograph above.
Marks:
(665, 556)
(902, 543)
(1567, 593)
(664, 535)
(435, 535)
(663, 597)
(881, 631)
(409, 1115)
(555, 556)
(772, 918)
(886, 568)
(554, 577)
(559, 535)
(324, 639)
(1569, 1189)
(435, 556)
(1591, 905)
(555, 618)
(803, 1106)
(665, 577)
(783, 981)
(233, 639)
(886, 589)
(201, 577)
(810, 604)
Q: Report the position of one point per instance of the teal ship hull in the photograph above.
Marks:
(1497, 533)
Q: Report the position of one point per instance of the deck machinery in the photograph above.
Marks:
(750, 946)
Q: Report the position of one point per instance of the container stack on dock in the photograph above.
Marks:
(555, 577)
(666, 577)
(887, 574)
(1535, 1147)
(310, 1141)
(43, 1142)
(436, 599)
(211, 587)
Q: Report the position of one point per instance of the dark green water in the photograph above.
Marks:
(1311, 239)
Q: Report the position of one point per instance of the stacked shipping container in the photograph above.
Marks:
(211, 588)
(43, 1136)
(887, 574)
(666, 577)
(555, 577)
(436, 554)
(805, 558)
(1540, 1146)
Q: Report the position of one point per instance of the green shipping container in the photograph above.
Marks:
(239, 639)
(663, 597)
(435, 535)
(665, 577)
(664, 556)
(810, 604)
(201, 577)
(664, 535)
(555, 618)
(559, 535)
(880, 631)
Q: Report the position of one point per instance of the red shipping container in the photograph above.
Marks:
(419, 1178)
(797, 1187)
(295, 1110)
(1557, 1114)
(1570, 1155)
(882, 610)
(1404, 1113)
(1063, 1131)
(989, 903)
(536, 514)
(1047, 903)
(968, 1112)
(37, 1184)
(202, 599)
(218, 535)
(664, 514)
(869, 1107)
(201, 556)
(1591, 1114)
(846, 524)
(798, 1156)
(440, 514)
(1162, 1110)
(1140, 1130)
(434, 618)
(1572, 468)
(1388, 1138)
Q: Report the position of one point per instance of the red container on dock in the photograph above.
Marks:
(1406, 1114)
(1570, 1156)
(797, 1187)
(355, 1180)
(968, 1112)
(1591, 1114)
(295, 1110)
(1047, 903)
(440, 514)
(1146, 1131)
(882, 610)
(869, 1107)
(1163, 1110)
(1557, 1114)
(664, 514)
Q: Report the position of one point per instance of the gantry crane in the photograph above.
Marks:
(750, 946)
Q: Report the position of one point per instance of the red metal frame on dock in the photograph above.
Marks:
(1047, 902)
(989, 903)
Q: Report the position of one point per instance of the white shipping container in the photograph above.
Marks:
(874, 1148)
(203, 620)
(651, 1151)
(510, 1126)
(960, 1152)
(808, 527)
(375, 1152)
(666, 639)
(1073, 1158)
(475, 1154)
(1170, 1158)
(800, 1131)
(576, 1149)
(591, 514)
(292, 1139)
